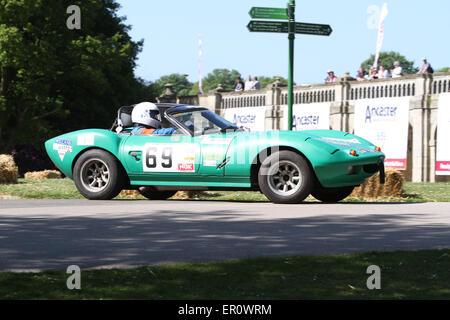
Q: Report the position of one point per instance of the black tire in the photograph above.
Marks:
(153, 194)
(331, 195)
(98, 175)
(285, 177)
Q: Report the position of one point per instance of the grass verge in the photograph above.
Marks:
(65, 189)
(421, 274)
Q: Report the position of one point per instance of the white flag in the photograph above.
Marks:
(383, 15)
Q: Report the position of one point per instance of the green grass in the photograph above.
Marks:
(65, 189)
(404, 275)
(430, 192)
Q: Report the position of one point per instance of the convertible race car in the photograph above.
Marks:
(207, 152)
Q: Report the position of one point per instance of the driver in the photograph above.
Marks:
(146, 120)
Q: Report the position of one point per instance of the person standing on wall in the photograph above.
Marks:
(248, 84)
(239, 85)
(426, 67)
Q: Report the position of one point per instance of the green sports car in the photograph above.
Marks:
(207, 152)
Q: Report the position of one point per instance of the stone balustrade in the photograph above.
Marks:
(423, 89)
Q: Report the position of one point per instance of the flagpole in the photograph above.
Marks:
(200, 54)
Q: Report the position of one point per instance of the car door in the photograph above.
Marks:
(162, 159)
(214, 154)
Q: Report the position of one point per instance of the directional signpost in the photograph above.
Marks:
(268, 13)
(283, 27)
(291, 28)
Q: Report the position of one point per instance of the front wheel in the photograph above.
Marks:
(285, 177)
(331, 195)
(153, 194)
(97, 175)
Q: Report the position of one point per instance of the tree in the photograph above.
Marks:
(446, 69)
(387, 60)
(53, 79)
(219, 76)
(265, 81)
(181, 85)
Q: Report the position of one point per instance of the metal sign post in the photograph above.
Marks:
(291, 28)
(291, 37)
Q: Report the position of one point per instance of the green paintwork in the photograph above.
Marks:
(330, 159)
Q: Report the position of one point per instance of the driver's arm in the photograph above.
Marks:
(165, 131)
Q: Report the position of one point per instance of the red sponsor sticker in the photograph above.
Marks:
(395, 163)
(185, 167)
(443, 166)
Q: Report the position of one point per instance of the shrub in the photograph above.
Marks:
(29, 159)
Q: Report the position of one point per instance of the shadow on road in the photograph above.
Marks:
(166, 236)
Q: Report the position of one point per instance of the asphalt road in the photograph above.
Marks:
(53, 234)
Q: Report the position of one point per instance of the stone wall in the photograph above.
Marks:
(424, 91)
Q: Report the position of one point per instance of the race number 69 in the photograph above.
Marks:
(151, 157)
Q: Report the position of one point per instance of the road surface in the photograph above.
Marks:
(53, 234)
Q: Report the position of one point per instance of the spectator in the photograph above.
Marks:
(383, 73)
(397, 71)
(373, 74)
(331, 77)
(256, 84)
(248, 84)
(239, 85)
(426, 67)
(361, 75)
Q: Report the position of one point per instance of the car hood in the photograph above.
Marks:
(331, 140)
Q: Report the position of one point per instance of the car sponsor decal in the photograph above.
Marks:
(66, 142)
(86, 139)
(169, 157)
(216, 140)
(342, 141)
(209, 163)
(62, 149)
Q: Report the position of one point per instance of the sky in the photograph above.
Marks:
(171, 29)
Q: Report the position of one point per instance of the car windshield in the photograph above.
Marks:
(202, 122)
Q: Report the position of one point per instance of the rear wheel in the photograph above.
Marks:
(285, 177)
(331, 195)
(152, 194)
(97, 175)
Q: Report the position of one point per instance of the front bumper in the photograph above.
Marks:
(345, 170)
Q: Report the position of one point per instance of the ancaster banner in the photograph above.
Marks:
(384, 122)
(443, 136)
(252, 118)
(309, 116)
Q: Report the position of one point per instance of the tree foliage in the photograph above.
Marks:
(53, 79)
(225, 77)
(265, 81)
(181, 85)
(445, 69)
(387, 60)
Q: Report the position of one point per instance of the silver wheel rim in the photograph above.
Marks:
(284, 178)
(94, 175)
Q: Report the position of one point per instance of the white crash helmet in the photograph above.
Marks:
(146, 113)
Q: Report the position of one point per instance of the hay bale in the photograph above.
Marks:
(9, 172)
(372, 188)
(178, 195)
(46, 174)
(188, 194)
(125, 193)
